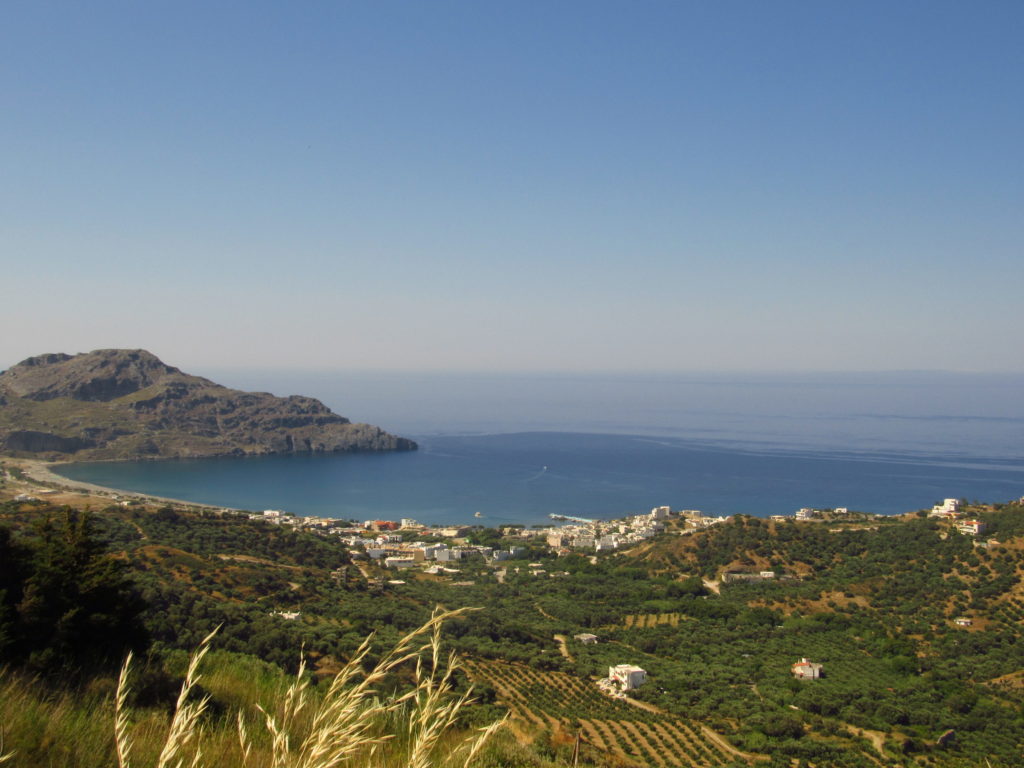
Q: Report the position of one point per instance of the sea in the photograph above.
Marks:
(501, 449)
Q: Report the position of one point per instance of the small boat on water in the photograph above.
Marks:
(477, 514)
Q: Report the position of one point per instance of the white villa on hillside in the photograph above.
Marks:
(627, 676)
(971, 527)
(805, 669)
(948, 508)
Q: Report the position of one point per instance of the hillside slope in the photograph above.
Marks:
(122, 404)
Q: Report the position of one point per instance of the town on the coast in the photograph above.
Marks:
(408, 544)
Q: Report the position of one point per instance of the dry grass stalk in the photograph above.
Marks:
(4, 757)
(343, 723)
(122, 741)
(184, 729)
(340, 726)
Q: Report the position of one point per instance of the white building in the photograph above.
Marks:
(805, 669)
(627, 676)
(947, 508)
(971, 527)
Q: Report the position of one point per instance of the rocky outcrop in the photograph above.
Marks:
(99, 376)
(115, 403)
(30, 441)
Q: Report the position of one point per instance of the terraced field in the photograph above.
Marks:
(558, 700)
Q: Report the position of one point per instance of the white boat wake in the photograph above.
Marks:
(542, 472)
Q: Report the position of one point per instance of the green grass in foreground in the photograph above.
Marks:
(340, 722)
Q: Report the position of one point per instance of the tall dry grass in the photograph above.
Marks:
(347, 725)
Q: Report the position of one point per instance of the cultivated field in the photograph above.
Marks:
(564, 703)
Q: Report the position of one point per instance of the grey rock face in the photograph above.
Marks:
(128, 404)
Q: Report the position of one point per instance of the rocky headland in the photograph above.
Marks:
(128, 404)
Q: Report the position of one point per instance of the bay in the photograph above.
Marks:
(522, 478)
(518, 447)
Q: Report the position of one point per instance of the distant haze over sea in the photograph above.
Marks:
(519, 447)
(961, 414)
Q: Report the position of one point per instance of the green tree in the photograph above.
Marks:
(77, 608)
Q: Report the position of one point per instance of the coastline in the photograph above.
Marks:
(506, 478)
(39, 473)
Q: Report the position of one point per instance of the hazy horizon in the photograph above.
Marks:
(968, 414)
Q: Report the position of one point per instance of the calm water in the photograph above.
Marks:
(614, 445)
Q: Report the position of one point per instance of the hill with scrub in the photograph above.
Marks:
(918, 629)
(127, 404)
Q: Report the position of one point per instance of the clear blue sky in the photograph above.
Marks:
(562, 186)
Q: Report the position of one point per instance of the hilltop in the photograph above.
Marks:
(127, 404)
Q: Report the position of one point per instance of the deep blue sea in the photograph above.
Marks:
(517, 448)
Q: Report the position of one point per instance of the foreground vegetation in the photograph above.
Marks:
(874, 601)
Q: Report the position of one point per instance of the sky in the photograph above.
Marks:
(515, 186)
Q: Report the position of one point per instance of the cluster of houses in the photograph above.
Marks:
(950, 509)
(398, 554)
(810, 513)
(398, 544)
(605, 536)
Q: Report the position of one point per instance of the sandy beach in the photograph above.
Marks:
(40, 479)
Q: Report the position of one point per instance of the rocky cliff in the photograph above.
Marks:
(121, 404)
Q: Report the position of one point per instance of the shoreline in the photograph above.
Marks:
(39, 472)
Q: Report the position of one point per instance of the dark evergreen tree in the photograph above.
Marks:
(69, 605)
